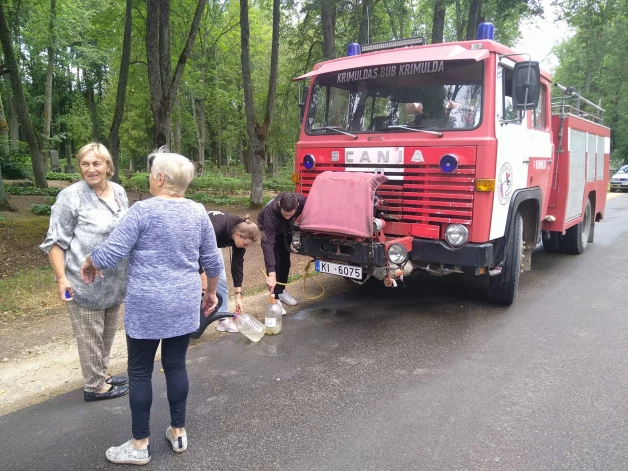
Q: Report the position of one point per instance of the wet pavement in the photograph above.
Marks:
(427, 377)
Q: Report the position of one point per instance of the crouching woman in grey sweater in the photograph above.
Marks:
(163, 239)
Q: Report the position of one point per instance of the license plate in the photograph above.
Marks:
(348, 271)
(624, 183)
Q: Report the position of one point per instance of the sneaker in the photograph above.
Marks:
(179, 445)
(226, 325)
(286, 298)
(283, 311)
(126, 454)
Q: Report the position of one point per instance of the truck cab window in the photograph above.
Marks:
(541, 111)
(328, 108)
(505, 111)
(438, 95)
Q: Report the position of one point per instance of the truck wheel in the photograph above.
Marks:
(554, 244)
(502, 288)
(576, 238)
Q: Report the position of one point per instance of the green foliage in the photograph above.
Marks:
(30, 190)
(593, 61)
(223, 182)
(40, 209)
(66, 177)
(88, 44)
(16, 167)
(242, 201)
(220, 184)
(138, 182)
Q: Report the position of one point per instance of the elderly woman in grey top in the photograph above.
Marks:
(82, 218)
(164, 239)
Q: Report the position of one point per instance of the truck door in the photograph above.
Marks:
(513, 140)
(541, 148)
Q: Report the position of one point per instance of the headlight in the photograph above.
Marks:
(456, 235)
(397, 254)
(296, 241)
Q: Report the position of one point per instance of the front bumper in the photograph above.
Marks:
(436, 251)
(374, 254)
(348, 251)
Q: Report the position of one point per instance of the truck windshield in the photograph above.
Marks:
(436, 95)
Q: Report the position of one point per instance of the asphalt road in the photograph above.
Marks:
(427, 377)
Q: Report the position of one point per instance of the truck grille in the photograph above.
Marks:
(417, 193)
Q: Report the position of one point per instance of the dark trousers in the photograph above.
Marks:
(282, 263)
(141, 353)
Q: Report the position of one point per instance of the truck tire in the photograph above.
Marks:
(554, 244)
(502, 288)
(576, 238)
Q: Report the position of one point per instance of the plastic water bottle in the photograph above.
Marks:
(249, 326)
(273, 319)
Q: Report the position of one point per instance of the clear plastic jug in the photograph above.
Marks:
(249, 326)
(273, 319)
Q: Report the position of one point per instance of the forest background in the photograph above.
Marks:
(213, 79)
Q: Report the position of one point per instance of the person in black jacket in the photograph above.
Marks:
(275, 221)
(238, 234)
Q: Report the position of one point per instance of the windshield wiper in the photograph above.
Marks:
(339, 131)
(403, 126)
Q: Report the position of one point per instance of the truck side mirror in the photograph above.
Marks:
(302, 100)
(526, 77)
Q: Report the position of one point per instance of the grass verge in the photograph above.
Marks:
(27, 292)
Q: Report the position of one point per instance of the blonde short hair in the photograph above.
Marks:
(100, 152)
(177, 170)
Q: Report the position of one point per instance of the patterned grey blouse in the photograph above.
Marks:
(80, 222)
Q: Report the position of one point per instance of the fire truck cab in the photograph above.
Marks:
(472, 166)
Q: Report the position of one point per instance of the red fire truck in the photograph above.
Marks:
(447, 158)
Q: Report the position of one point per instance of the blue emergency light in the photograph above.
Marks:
(353, 49)
(309, 162)
(486, 31)
(448, 163)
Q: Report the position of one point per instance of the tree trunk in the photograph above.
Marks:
(438, 22)
(4, 202)
(365, 12)
(163, 88)
(201, 135)
(118, 113)
(245, 154)
(91, 105)
(4, 150)
(258, 132)
(327, 8)
(39, 172)
(274, 164)
(475, 9)
(176, 145)
(460, 22)
(4, 133)
(14, 126)
(49, 77)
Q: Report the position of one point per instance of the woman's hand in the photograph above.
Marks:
(89, 272)
(210, 301)
(63, 285)
(239, 304)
